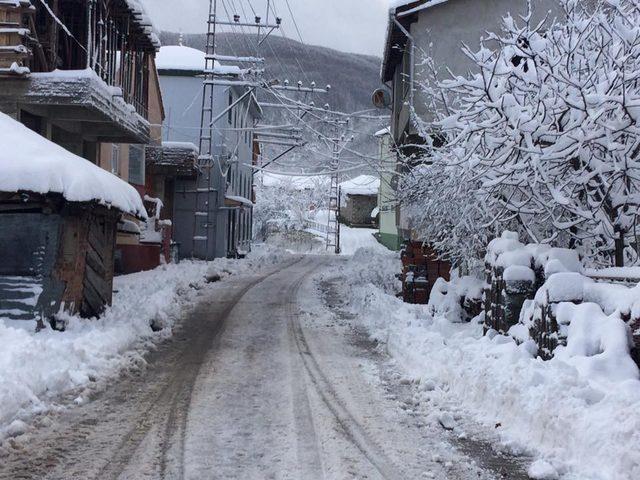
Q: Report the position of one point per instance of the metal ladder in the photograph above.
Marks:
(205, 193)
(333, 227)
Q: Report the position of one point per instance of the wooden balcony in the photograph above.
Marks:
(79, 63)
(173, 159)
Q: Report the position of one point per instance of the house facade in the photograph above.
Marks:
(213, 208)
(82, 74)
(77, 72)
(437, 29)
(387, 201)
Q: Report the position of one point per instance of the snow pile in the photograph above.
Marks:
(36, 368)
(521, 261)
(30, 162)
(458, 300)
(576, 414)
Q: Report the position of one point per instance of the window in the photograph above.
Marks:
(115, 159)
(136, 164)
(229, 113)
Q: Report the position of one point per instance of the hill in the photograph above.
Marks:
(352, 77)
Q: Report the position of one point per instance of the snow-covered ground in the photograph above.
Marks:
(352, 239)
(574, 425)
(37, 368)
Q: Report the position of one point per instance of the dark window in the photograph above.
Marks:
(136, 164)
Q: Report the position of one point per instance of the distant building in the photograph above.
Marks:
(230, 204)
(359, 201)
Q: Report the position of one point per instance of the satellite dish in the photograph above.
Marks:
(381, 98)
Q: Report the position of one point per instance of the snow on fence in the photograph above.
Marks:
(542, 293)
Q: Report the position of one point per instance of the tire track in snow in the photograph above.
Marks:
(179, 392)
(352, 429)
(136, 428)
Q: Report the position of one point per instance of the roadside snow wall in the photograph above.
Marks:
(576, 414)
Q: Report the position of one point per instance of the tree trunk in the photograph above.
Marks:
(619, 250)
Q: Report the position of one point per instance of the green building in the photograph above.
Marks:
(387, 205)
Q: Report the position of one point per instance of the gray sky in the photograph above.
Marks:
(347, 25)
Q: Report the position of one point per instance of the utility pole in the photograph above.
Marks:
(338, 143)
(212, 157)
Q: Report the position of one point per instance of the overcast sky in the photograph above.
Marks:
(347, 25)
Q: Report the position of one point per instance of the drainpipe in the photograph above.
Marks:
(411, 58)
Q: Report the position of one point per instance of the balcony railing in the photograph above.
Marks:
(111, 38)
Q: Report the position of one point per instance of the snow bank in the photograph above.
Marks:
(30, 162)
(507, 251)
(37, 368)
(577, 414)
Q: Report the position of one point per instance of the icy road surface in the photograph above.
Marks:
(253, 386)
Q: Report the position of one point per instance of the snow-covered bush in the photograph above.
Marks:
(542, 138)
(459, 300)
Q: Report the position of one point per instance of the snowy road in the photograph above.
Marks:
(254, 386)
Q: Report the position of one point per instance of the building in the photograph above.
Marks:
(438, 29)
(82, 74)
(387, 202)
(359, 199)
(212, 209)
(77, 71)
(59, 216)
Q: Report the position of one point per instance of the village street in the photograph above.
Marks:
(257, 383)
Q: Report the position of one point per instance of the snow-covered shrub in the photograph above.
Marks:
(514, 272)
(458, 300)
(543, 137)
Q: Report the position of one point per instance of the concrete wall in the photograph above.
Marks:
(440, 33)
(229, 229)
(388, 231)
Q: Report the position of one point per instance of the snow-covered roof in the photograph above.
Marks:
(30, 162)
(150, 29)
(418, 5)
(400, 10)
(362, 185)
(178, 57)
(238, 199)
(181, 145)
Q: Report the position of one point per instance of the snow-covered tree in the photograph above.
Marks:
(544, 136)
(285, 203)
